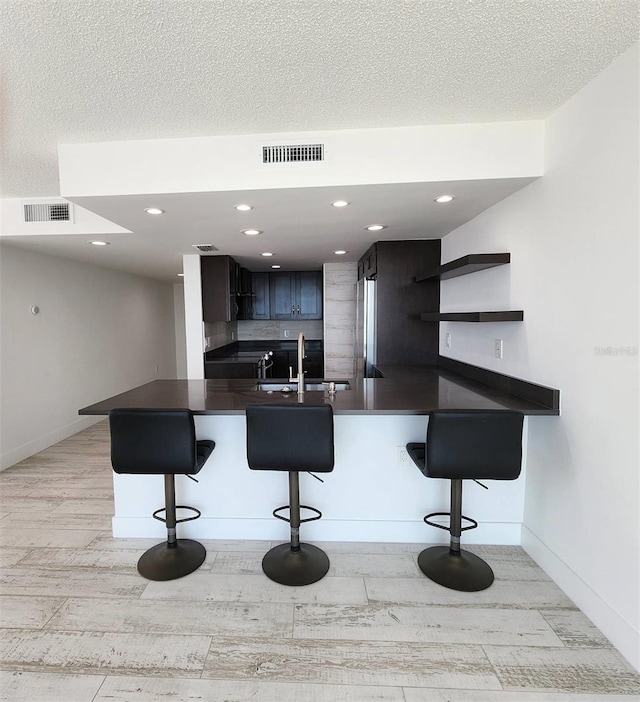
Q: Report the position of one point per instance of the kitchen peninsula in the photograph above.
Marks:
(374, 493)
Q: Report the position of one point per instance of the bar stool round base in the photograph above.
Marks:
(164, 562)
(462, 571)
(300, 567)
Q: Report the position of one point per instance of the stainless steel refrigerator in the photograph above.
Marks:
(365, 341)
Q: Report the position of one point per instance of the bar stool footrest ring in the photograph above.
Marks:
(318, 514)
(473, 524)
(178, 521)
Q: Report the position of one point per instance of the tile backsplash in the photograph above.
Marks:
(276, 329)
(219, 334)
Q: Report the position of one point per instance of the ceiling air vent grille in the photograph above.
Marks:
(299, 153)
(205, 248)
(47, 212)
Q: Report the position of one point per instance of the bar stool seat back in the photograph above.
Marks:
(161, 442)
(465, 445)
(292, 438)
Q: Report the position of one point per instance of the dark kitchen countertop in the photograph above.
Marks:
(237, 357)
(403, 390)
(252, 351)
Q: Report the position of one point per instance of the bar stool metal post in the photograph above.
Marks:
(465, 445)
(161, 442)
(292, 438)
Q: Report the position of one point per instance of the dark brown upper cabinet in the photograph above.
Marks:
(401, 337)
(368, 264)
(260, 308)
(219, 280)
(296, 295)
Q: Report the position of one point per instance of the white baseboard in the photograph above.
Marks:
(40, 443)
(322, 530)
(620, 632)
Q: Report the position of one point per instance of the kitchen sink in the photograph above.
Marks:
(322, 385)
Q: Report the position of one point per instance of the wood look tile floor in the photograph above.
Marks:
(79, 624)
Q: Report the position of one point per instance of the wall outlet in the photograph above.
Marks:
(402, 457)
(286, 333)
(498, 348)
(447, 340)
(233, 336)
(156, 370)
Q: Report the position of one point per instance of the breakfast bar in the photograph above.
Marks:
(375, 493)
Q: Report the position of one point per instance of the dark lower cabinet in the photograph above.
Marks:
(213, 371)
(280, 368)
(313, 364)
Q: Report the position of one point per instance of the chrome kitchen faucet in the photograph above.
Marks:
(301, 357)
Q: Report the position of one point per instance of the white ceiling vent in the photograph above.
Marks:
(293, 153)
(205, 248)
(57, 211)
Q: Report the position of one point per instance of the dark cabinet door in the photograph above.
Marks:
(214, 371)
(280, 368)
(313, 364)
(219, 280)
(296, 295)
(368, 264)
(283, 295)
(309, 295)
(260, 296)
(244, 293)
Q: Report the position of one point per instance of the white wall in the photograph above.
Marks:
(573, 237)
(353, 156)
(99, 332)
(180, 330)
(236, 503)
(194, 329)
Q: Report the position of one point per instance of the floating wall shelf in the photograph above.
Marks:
(462, 266)
(506, 316)
(467, 264)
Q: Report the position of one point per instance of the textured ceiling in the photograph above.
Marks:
(101, 70)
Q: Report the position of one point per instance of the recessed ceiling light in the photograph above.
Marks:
(243, 208)
(444, 198)
(252, 232)
(154, 210)
(99, 243)
(376, 227)
(340, 203)
(275, 266)
(266, 253)
(180, 275)
(340, 252)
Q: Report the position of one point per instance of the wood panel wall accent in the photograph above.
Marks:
(402, 337)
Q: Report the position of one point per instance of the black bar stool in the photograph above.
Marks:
(161, 442)
(465, 445)
(292, 438)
